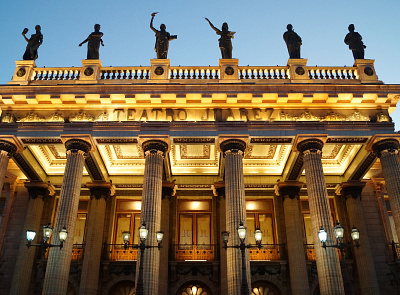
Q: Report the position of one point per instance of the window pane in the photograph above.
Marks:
(185, 229)
(136, 229)
(203, 229)
(266, 226)
(123, 224)
(251, 227)
(308, 229)
(80, 229)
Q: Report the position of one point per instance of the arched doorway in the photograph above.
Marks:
(123, 288)
(194, 288)
(264, 288)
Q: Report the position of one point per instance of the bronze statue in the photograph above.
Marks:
(225, 43)
(94, 40)
(162, 39)
(356, 45)
(293, 42)
(31, 52)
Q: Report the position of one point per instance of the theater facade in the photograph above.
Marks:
(194, 152)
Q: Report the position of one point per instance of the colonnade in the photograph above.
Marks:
(233, 149)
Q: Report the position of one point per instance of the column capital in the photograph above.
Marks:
(100, 189)
(82, 142)
(10, 144)
(219, 189)
(39, 189)
(232, 142)
(388, 145)
(313, 145)
(155, 142)
(289, 189)
(352, 189)
(168, 189)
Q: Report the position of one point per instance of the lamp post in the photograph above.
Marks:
(244, 290)
(143, 232)
(338, 231)
(44, 245)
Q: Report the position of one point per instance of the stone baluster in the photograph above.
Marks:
(365, 265)
(99, 194)
(59, 260)
(295, 237)
(38, 191)
(154, 151)
(328, 267)
(233, 151)
(388, 152)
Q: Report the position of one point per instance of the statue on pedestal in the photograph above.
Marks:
(31, 52)
(356, 45)
(225, 43)
(162, 39)
(94, 40)
(293, 42)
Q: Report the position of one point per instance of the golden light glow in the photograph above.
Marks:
(250, 206)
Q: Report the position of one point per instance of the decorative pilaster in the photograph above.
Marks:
(154, 150)
(99, 193)
(388, 152)
(38, 191)
(7, 150)
(365, 265)
(328, 267)
(233, 151)
(294, 235)
(58, 263)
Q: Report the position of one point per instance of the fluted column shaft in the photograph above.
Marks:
(26, 256)
(295, 239)
(365, 264)
(94, 238)
(233, 150)
(7, 150)
(59, 260)
(388, 152)
(328, 267)
(151, 212)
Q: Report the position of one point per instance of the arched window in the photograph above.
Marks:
(194, 289)
(123, 288)
(264, 288)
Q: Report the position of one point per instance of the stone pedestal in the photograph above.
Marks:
(298, 71)
(295, 237)
(59, 260)
(90, 71)
(365, 264)
(154, 150)
(99, 194)
(159, 71)
(328, 267)
(228, 71)
(233, 151)
(23, 72)
(26, 256)
(366, 71)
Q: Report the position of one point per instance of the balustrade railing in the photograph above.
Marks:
(268, 252)
(332, 73)
(77, 252)
(118, 252)
(263, 73)
(185, 252)
(194, 73)
(55, 74)
(310, 251)
(125, 73)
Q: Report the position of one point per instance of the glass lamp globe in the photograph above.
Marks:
(63, 234)
(126, 236)
(338, 231)
(225, 236)
(322, 235)
(241, 232)
(47, 230)
(30, 235)
(355, 234)
(143, 231)
(258, 235)
(159, 236)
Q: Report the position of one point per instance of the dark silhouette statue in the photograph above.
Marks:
(94, 40)
(162, 39)
(31, 52)
(356, 45)
(225, 43)
(293, 42)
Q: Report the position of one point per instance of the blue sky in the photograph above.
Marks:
(259, 26)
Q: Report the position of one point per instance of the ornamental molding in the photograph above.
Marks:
(332, 116)
(81, 117)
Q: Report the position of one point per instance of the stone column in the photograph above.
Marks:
(99, 193)
(154, 151)
(7, 149)
(328, 267)
(365, 264)
(59, 260)
(233, 151)
(388, 152)
(295, 237)
(26, 256)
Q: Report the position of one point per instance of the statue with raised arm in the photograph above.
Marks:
(94, 40)
(293, 42)
(31, 52)
(356, 45)
(225, 43)
(162, 39)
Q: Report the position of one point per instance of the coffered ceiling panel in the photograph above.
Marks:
(337, 157)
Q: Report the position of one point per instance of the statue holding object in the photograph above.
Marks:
(356, 45)
(31, 52)
(162, 39)
(225, 43)
(94, 40)
(293, 42)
